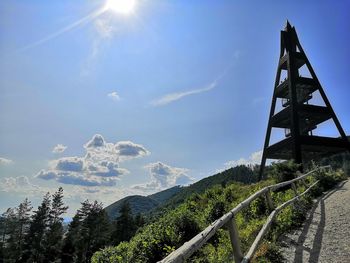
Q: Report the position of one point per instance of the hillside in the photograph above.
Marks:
(176, 226)
(141, 204)
(242, 174)
(176, 195)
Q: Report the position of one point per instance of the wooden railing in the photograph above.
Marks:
(228, 220)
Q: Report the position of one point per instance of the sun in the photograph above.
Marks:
(121, 6)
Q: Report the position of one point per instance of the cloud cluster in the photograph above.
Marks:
(9, 184)
(59, 148)
(113, 96)
(99, 166)
(4, 161)
(254, 158)
(164, 176)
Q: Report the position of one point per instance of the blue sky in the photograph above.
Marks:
(168, 94)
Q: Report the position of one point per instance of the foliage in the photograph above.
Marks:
(284, 171)
(180, 224)
(328, 179)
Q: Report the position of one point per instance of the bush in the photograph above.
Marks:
(117, 254)
(328, 179)
(284, 171)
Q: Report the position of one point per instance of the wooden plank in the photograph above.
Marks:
(259, 238)
(235, 241)
(269, 200)
(267, 225)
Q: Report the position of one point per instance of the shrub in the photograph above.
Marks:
(328, 179)
(284, 171)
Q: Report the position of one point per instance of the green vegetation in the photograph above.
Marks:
(156, 240)
(182, 213)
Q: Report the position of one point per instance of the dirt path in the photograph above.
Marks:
(325, 235)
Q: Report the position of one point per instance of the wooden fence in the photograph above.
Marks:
(228, 220)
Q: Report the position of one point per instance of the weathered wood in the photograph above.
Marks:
(235, 241)
(269, 200)
(188, 248)
(259, 237)
(279, 185)
(267, 225)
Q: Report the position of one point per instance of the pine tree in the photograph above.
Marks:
(68, 253)
(34, 247)
(139, 221)
(94, 230)
(8, 226)
(87, 233)
(53, 238)
(23, 219)
(124, 226)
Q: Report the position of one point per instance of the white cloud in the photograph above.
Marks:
(5, 161)
(114, 96)
(96, 141)
(179, 95)
(10, 184)
(70, 164)
(164, 176)
(99, 166)
(128, 149)
(59, 148)
(75, 178)
(254, 158)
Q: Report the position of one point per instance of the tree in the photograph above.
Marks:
(124, 226)
(54, 235)
(34, 247)
(8, 226)
(69, 244)
(23, 219)
(87, 233)
(15, 226)
(139, 221)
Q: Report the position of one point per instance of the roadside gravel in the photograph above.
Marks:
(325, 235)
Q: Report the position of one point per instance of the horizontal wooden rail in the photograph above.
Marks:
(228, 220)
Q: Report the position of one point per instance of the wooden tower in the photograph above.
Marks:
(297, 116)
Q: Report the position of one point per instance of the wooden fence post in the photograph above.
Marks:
(235, 242)
(269, 200)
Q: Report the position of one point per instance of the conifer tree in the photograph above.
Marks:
(8, 226)
(34, 247)
(124, 226)
(68, 253)
(23, 220)
(87, 233)
(54, 235)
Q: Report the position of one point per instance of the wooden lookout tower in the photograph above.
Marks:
(297, 115)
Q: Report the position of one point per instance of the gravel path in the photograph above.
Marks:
(325, 235)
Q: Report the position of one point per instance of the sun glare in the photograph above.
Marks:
(121, 6)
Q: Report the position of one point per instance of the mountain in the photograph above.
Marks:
(170, 198)
(165, 195)
(142, 204)
(241, 173)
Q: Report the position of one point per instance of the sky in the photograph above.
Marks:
(107, 103)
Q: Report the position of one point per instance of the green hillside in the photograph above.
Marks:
(141, 204)
(176, 226)
(165, 195)
(154, 204)
(137, 203)
(242, 174)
